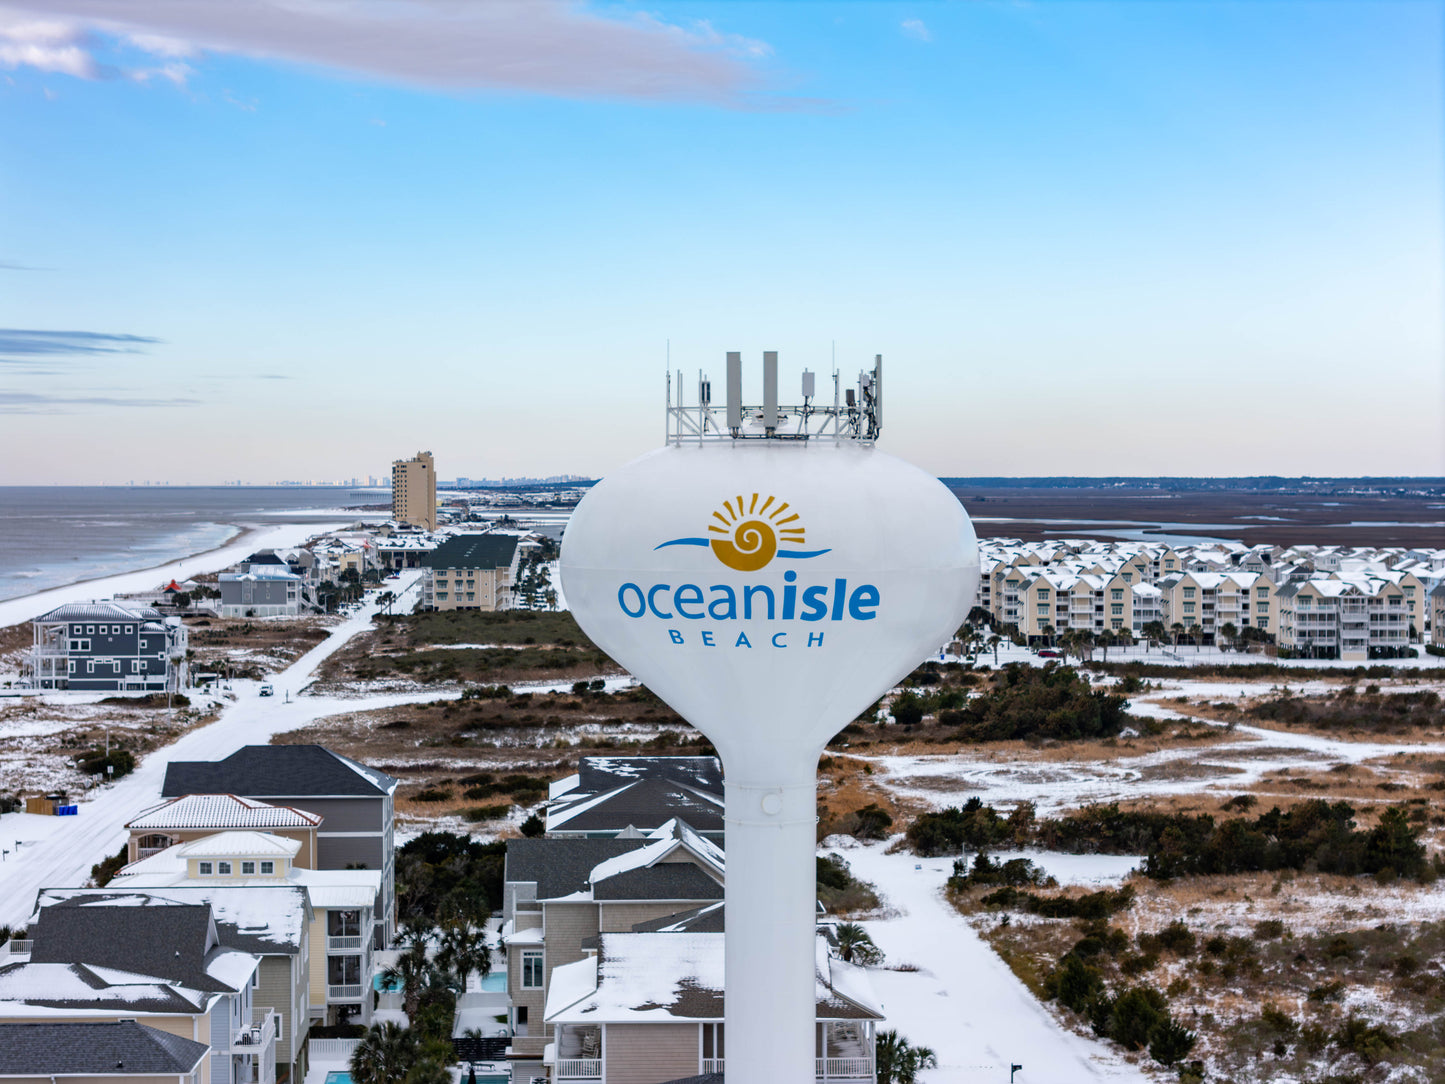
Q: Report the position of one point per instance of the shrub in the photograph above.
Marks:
(433, 794)
(102, 872)
(1135, 1015)
(1269, 929)
(1016, 872)
(96, 761)
(1029, 702)
(1370, 1042)
(1177, 938)
(534, 827)
(1074, 983)
(1170, 1042)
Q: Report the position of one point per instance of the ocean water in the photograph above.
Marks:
(55, 535)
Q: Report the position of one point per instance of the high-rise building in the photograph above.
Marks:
(414, 491)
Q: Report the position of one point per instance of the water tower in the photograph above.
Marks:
(769, 574)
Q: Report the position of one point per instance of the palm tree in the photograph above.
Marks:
(855, 946)
(1155, 632)
(464, 950)
(1176, 630)
(993, 642)
(898, 1061)
(384, 1056)
(1228, 632)
(428, 1071)
(1047, 632)
(1197, 635)
(412, 972)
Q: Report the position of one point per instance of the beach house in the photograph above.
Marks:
(107, 647)
(356, 803)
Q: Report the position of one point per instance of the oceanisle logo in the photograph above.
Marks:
(747, 536)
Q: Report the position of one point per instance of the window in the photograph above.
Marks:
(248, 867)
(1189, 592)
(223, 869)
(90, 630)
(1189, 607)
(1116, 593)
(1043, 594)
(77, 630)
(204, 869)
(256, 978)
(129, 630)
(268, 868)
(1262, 592)
(1129, 577)
(276, 1021)
(1116, 608)
(531, 970)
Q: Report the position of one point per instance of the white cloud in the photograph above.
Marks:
(915, 28)
(543, 46)
(49, 45)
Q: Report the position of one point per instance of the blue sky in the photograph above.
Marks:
(298, 238)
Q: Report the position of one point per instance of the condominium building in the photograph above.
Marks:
(414, 491)
(1352, 619)
(472, 572)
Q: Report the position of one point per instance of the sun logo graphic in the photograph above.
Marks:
(746, 534)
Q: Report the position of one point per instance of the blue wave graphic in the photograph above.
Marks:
(792, 555)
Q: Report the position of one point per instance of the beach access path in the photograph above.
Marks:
(963, 1002)
(57, 852)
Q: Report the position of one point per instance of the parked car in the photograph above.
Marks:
(1049, 653)
(267, 690)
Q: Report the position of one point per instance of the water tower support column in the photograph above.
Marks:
(771, 898)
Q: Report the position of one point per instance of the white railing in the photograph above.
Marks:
(578, 1069)
(343, 992)
(254, 1039)
(845, 1069)
(332, 1049)
(335, 943)
(712, 1065)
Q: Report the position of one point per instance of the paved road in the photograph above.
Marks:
(59, 851)
(965, 1003)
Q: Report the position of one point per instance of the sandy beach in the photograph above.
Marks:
(251, 537)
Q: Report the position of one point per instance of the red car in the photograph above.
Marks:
(1049, 653)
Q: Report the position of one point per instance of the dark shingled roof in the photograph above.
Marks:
(473, 551)
(560, 866)
(706, 1078)
(596, 774)
(170, 941)
(95, 1049)
(646, 804)
(664, 881)
(33, 984)
(277, 771)
(707, 919)
(276, 927)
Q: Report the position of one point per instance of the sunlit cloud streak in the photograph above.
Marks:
(22, 344)
(554, 47)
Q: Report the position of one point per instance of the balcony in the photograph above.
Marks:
(826, 1070)
(348, 992)
(578, 1069)
(253, 1040)
(829, 1069)
(343, 944)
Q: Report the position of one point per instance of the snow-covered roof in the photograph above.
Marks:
(265, 919)
(76, 989)
(104, 610)
(676, 978)
(240, 845)
(222, 811)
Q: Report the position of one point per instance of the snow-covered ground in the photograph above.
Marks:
(59, 851)
(964, 1002)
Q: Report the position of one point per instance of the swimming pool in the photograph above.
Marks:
(338, 1078)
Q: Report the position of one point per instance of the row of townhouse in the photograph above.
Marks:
(613, 933)
(1048, 589)
(238, 923)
